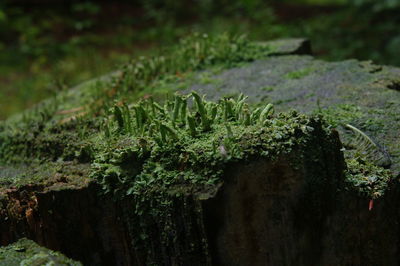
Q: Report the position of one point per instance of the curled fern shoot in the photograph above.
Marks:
(192, 125)
(177, 105)
(240, 104)
(202, 111)
(269, 109)
(229, 109)
(163, 133)
(183, 111)
(118, 117)
(127, 119)
(213, 112)
(166, 130)
(255, 115)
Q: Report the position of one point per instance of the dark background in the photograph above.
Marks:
(47, 46)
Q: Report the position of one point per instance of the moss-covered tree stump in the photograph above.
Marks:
(122, 171)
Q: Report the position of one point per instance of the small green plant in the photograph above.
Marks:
(175, 118)
(188, 140)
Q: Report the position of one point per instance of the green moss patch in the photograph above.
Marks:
(367, 179)
(25, 252)
(58, 127)
(167, 158)
(57, 175)
(299, 73)
(149, 146)
(99, 123)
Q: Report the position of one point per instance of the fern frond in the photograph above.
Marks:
(368, 147)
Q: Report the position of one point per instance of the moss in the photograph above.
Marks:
(25, 252)
(164, 163)
(367, 179)
(54, 129)
(341, 114)
(365, 174)
(165, 156)
(298, 74)
(130, 162)
(206, 78)
(61, 127)
(268, 89)
(57, 175)
(39, 137)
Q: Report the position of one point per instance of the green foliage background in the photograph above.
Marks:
(49, 47)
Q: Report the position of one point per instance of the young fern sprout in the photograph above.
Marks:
(192, 125)
(205, 122)
(213, 112)
(239, 106)
(152, 107)
(269, 109)
(175, 113)
(183, 111)
(119, 118)
(165, 131)
(255, 115)
(106, 128)
(229, 113)
(148, 120)
(158, 108)
(140, 117)
(127, 119)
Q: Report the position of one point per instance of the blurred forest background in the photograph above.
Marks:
(50, 45)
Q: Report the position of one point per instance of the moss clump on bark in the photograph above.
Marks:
(166, 159)
(45, 175)
(149, 145)
(367, 179)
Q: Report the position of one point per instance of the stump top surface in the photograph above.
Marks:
(354, 92)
